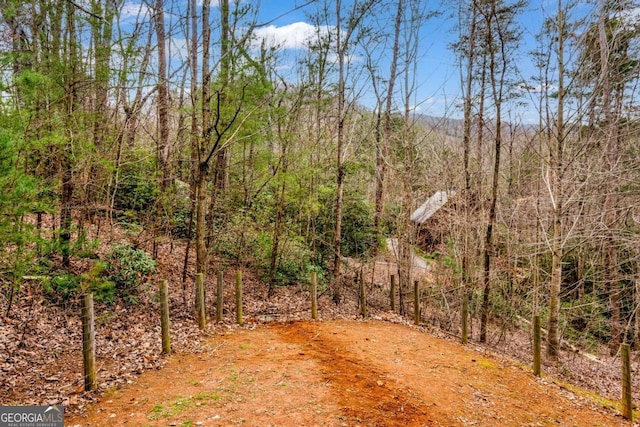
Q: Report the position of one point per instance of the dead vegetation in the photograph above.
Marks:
(40, 339)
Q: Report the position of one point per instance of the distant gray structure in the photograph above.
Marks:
(431, 220)
(431, 206)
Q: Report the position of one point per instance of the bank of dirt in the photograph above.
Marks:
(340, 373)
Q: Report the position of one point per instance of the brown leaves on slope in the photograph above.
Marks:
(41, 343)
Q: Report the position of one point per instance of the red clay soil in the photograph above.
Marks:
(340, 373)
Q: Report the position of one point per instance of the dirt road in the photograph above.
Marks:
(340, 373)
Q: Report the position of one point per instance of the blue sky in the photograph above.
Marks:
(437, 74)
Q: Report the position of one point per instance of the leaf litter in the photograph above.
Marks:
(41, 342)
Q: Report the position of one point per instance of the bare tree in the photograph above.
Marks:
(195, 138)
(466, 48)
(555, 187)
(415, 15)
(204, 151)
(383, 142)
(500, 37)
(343, 44)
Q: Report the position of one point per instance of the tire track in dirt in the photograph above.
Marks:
(339, 374)
(365, 393)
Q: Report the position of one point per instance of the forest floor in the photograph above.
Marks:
(280, 368)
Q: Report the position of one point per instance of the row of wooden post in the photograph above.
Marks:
(201, 311)
(88, 331)
(362, 291)
(625, 349)
(625, 355)
(88, 323)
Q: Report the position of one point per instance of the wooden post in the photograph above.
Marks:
(392, 293)
(465, 317)
(239, 297)
(201, 312)
(88, 343)
(219, 297)
(416, 303)
(363, 294)
(314, 295)
(627, 407)
(164, 317)
(197, 307)
(537, 346)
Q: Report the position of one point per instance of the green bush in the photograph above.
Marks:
(103, 291)
(293, 263)
(357, 227)
(358, 233)
(587, 323)
(244, 240)
(127, 267)
(64, 287)
(137, 189)
(85, 248)
(180, 224)
(238, 239)
(136, 194)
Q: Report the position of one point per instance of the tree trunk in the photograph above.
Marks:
(337, 239)
(636, 340)
(382, 148)
(612, 156)
(553, 338)
(496, 86)
(195, 137)
(162, 144)
(221, 177)
(343, 42)
(102, 31)
(201, 213)
(203, 164)
(469, 55)
(162, 147)
(277, 232)
(66, 162)
(556, 165)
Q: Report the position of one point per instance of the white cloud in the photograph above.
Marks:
(293, 36)
(132, 9)
(178, 48)
(631, 17)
